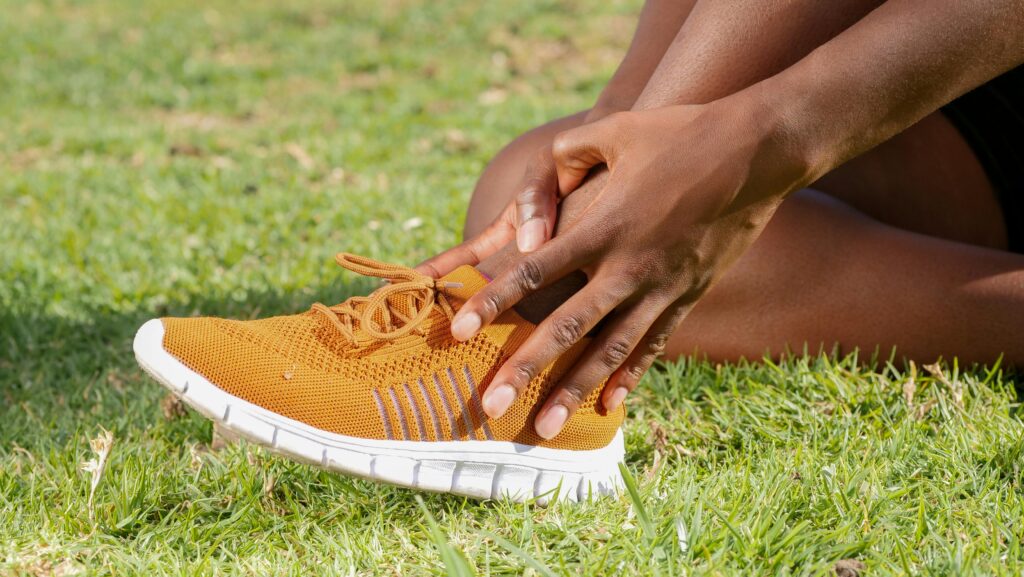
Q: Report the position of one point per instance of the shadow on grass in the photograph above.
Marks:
(60, 374)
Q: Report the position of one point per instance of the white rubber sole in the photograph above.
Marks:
(477, 469)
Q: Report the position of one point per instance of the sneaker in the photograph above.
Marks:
(377, 388)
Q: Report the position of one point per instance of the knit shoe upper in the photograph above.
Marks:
(385, 366)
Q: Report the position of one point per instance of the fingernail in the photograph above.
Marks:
(551, 422)
(465, 326)
(531, 235)
(616, 398)
(497, 400)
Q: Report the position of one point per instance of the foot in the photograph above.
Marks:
(376, 387)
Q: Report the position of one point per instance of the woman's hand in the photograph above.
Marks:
(529, 219)
(690, 188)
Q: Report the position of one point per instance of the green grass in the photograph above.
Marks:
(168, 157)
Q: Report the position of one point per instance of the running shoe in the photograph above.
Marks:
(377, 388)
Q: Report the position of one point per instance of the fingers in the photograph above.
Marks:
(609, 350)
(578, 150)
(627, 377)
(524, 275)
(536, 205)
(472, 251)
(552, 338)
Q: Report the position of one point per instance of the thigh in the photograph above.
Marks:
(823, 275)
(925, 180)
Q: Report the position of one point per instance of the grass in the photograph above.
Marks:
(165, 157)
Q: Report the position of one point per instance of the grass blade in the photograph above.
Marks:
(638, 504)
(519, 552)
(455, 563)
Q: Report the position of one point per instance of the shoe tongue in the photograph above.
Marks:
(471, 280)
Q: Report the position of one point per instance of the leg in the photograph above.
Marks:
(924, 180)
(885, 265)
(823, 274)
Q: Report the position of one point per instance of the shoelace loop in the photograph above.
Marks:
(423, 292)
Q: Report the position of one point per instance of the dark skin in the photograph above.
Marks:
(666, 226)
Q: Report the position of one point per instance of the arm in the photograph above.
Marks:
(717, 49)
(657, 27)
(725, 47)
(691, 187)
(888, 71)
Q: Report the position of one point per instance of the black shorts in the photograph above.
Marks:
(991, 119)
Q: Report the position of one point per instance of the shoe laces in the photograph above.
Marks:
(418, 292)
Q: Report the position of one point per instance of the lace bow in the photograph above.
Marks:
(421, 292)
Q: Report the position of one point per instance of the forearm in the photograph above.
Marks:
(724, 47)
(895, 66)
(657, 27)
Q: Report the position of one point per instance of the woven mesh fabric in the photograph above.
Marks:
(301, 367)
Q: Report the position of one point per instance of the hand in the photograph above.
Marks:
(690, 187)
(529, 218)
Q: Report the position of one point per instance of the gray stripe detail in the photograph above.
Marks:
(415, 412)
(478, 406)
(447, 407)
(466, 417)
(383, 415)
(431, 409)
(400, 413)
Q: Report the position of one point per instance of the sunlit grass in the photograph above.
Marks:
(164, 157)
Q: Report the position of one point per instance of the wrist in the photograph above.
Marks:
(778, 159)
(782, 126)
(796, 120)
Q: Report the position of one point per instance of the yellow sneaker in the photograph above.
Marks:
(376, 387)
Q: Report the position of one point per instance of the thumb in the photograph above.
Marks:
(577, 150)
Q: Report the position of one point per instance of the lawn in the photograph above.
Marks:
(164, 157)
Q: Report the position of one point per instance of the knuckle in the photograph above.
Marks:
(635, 372)
(573, 395)
(615, 352)
(490, 303)
(533, 193)
(562, 145)
(523, 371)
(528, 274)
(625, 288)
(567, 330)
(657, 344)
